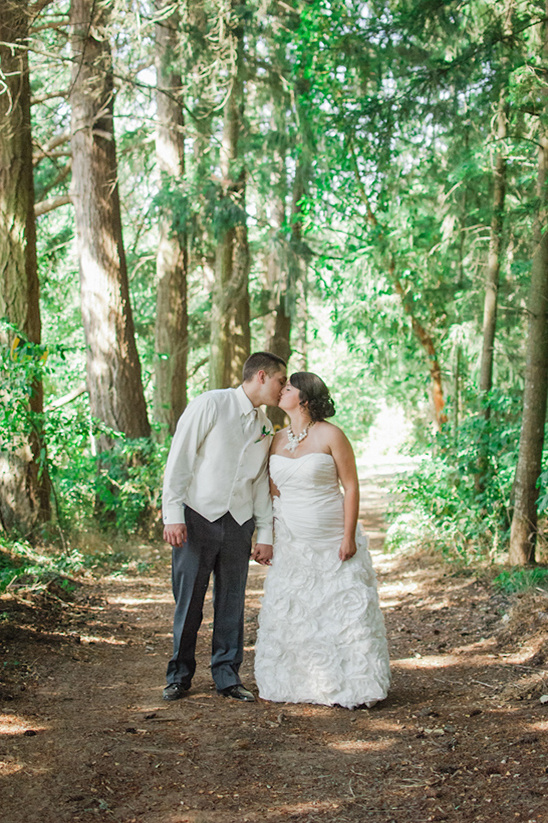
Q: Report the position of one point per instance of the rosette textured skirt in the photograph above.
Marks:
(321, 632)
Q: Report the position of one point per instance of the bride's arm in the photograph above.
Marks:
(345, 462)
(274, 491)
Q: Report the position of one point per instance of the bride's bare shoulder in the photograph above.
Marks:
(328, 430)
(332, 439)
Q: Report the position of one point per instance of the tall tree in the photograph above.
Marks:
(278, 320)
(171, 346)
(421, 332)
(299, 253)
(490, 304)
(293, 152)
(524, 521)
(113, 368)
(24, 483)
(230, 334)
(494, 256)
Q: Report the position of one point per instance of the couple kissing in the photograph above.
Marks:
(321, 635)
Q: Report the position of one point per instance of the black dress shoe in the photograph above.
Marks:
(237, 692)
(174, 691)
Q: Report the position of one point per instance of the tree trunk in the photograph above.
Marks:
(421, 332)
(24, 482)
(523, 533)
(495, 240)
(113, 368)
(230, 334)
(171, 335)
(298, 256)
(491, 290)
(278, 321)
(426, 341)
(524, 521)
(493, 262)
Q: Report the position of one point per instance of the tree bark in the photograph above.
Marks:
(524, 521)
(24, 481)
(113, 368)
(171, 333)
(495, 239)
(523, 532)
(230, 334)
(45, 206)
(278, 321)
(493, 261)
(491, 291)
(288, 261)
(298, 256)
(426, 341)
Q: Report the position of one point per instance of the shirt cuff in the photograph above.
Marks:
(264, 535)
(173, 514)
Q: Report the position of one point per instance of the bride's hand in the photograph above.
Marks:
(262, 553)
(347, 549)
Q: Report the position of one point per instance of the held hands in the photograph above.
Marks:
(262, 553)
(347, 549)
(175, 534)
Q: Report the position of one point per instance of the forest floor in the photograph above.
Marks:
(85, 735)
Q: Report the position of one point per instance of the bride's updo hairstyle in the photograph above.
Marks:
(314, 393)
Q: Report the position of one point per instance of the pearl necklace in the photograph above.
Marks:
(293, 440)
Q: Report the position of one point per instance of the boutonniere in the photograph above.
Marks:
(265, 433)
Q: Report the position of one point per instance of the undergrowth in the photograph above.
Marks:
(458, 501)
(517, 580)
(22, 566)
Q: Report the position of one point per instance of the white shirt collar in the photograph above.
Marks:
(246, 405)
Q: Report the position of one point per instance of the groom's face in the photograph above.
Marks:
(273, 385)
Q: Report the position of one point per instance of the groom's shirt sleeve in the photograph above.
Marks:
(262, 506)
(193, 427)
(262, 502)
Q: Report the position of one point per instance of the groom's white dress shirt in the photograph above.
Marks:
(218, 462)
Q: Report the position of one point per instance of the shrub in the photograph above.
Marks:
(445, 504)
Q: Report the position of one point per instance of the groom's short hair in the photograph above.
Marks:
(262, 360)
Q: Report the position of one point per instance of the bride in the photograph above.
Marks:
(321, 633)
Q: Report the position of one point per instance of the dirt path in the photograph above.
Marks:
(85, 736)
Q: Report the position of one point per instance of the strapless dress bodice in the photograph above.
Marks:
(310, 501)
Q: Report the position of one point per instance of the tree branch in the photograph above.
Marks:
(45, 206)
(66, 398)
(39, 6)
(51, 96)
(47, 149)
(59, 25)
(62, 175)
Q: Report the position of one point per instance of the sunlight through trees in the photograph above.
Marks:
(354, 184)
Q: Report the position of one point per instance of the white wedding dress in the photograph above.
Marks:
(321, 633)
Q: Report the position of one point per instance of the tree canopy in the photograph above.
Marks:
(354, 183)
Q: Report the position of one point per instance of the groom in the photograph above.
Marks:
(216, 491)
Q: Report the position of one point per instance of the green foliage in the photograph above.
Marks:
(542, 502)
(446, 505)
(128, 483)
(391, 108)
(22, 367)
(118, 489)
(517, 580)
(23, 566)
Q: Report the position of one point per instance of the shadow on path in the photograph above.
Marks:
(90, 739)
